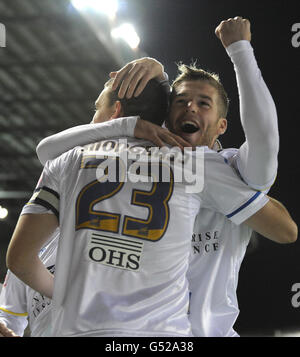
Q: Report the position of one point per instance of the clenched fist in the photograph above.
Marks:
(233, 30)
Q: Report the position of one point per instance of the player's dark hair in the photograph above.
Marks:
(192, 73)
(151, 105)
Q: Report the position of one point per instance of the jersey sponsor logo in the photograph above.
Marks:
(115, 252)
(206, 242)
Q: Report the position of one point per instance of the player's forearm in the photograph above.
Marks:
(55, 145)
(258, 155)
(31, 234)
(27, 266)
(274, 222)
(33, 273)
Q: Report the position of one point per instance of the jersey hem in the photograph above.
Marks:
(114, 333)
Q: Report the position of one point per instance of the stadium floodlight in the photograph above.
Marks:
(107, 7)
(3, 212)
(128, 34)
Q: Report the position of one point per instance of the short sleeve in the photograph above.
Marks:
(226, 193)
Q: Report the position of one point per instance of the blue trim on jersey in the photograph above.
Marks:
(244, 205)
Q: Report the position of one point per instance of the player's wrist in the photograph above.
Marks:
(238, 46)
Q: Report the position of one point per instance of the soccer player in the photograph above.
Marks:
(218, 246)
(19, 303)
(124, 274)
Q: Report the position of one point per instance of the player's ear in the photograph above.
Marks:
(118, 110)
(222, 126)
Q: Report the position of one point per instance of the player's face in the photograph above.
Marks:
(194, 113)
(104, 110)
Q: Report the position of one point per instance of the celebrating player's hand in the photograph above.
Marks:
(158, 135)
(233, 30)
(135, 76)
(6, 332)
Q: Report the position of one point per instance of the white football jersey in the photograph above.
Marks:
(217, 251)
(20, 304)
(123, 253)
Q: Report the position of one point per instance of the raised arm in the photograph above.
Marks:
(257, 157)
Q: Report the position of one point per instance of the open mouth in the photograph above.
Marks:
(189, 127)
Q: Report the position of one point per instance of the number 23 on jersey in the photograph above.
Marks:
(155, 200)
